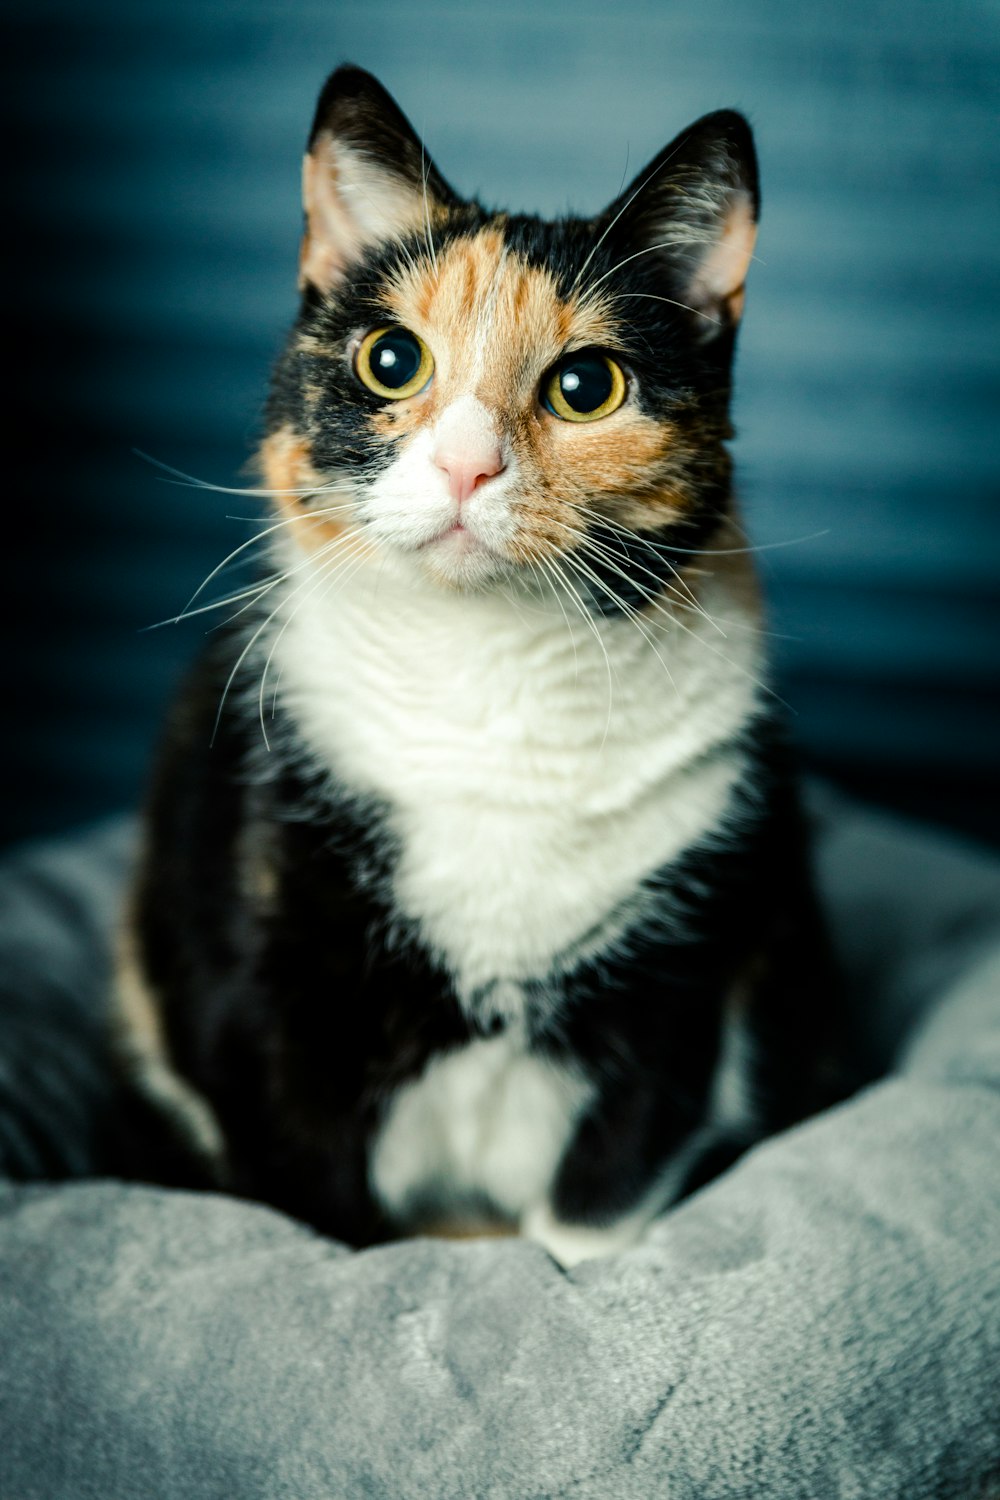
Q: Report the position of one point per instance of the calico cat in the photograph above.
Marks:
(474, 891)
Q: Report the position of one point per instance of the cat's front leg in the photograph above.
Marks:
(705, 1154)
(629, 1158)
(569, 1244)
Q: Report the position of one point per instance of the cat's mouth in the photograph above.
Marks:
(459, 556)
(460, 533)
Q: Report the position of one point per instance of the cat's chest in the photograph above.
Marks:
(534, 775)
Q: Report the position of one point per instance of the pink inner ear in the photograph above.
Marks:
(319, 260)
(350, 201)
(717, 287)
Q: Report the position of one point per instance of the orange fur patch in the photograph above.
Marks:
(286, 462)
(493, 323)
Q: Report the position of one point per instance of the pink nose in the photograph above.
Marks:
(466, 469)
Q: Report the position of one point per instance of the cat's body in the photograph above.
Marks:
(487, 900)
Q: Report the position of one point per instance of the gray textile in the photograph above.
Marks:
(822, 1322)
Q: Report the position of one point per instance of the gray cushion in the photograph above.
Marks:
(824, 1321)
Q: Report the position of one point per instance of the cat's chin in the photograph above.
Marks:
(459, 560)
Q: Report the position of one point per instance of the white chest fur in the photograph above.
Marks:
(536, 772)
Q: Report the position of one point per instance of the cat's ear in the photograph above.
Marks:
(693, 212)
(365, 179)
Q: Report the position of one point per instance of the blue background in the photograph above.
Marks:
(152, 169)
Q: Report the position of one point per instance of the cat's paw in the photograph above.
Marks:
(570, 1244)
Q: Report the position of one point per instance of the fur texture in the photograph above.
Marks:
(482, 897)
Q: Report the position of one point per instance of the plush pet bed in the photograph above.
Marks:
(824, 1321)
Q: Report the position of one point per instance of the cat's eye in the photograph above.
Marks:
(584, 387)
(393, 363)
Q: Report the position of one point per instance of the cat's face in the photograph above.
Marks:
(479, 395)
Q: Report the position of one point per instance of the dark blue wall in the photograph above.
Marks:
(152, 152)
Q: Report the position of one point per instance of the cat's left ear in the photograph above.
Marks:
(366, 178)
(693, 212)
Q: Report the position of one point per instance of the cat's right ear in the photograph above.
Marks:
(366, 178)
(694, 211)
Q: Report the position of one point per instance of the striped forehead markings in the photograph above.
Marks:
(481, 290)
(487, 318)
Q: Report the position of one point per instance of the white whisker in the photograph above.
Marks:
(648, 250)
(553, 583)
(193, 482)
(584, 569)
(595, 631)
(427, 213)
(267, 586)
(705, 553)
(611, 559)
(327, 574)
(624, 209)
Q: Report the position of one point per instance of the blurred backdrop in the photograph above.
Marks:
(152, 154)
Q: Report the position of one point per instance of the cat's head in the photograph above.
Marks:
(480, 395)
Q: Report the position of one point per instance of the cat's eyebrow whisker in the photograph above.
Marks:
(624, 209)
(427, 213)
(671, 302)
(410, 261)
(358, 191)
(621, 185)
(400, 245)
(648, 250)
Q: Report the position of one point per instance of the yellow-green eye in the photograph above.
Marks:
(393, 363)
(584, 387)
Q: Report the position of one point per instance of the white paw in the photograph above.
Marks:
(571, 1243)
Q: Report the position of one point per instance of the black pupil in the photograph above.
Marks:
(395, 358)
(585, 383)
